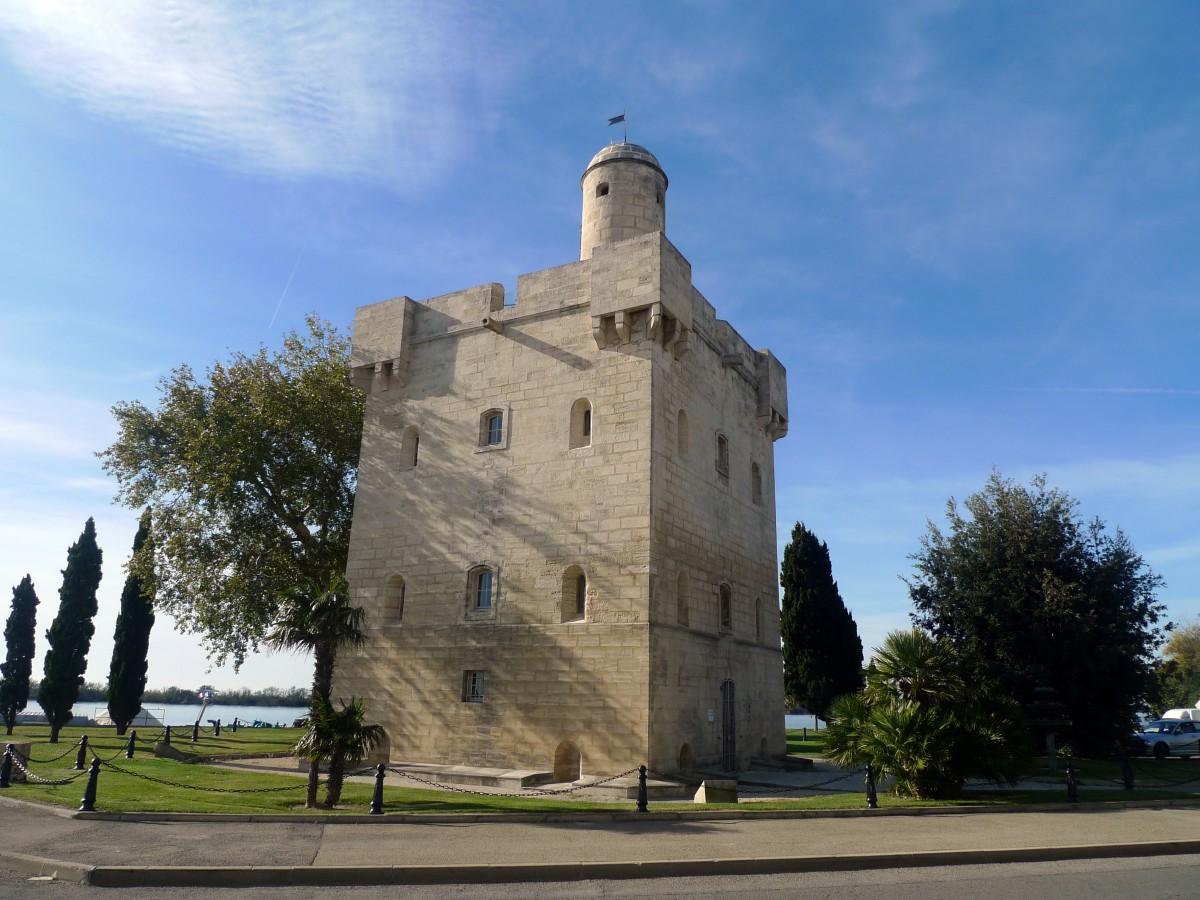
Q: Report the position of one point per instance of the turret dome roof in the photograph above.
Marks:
(624, 151)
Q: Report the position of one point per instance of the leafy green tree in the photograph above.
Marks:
(70, 635)
(337, 737)
(1028, 595)
(320, 622)
(250, 473)
(131, 641)
(918, 722)
(822, 652)
(17, 667)
(1178, 672)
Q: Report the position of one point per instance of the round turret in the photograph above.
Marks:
(624, 195)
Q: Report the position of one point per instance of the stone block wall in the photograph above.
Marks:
(632, 508)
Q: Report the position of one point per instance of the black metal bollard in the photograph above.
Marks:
(806, 732)
(643, 799)
(1127, 772)
(377, 795)
(235, 724)
(6, 767)
(167, 736)
(129, 748)
(872, 797)
(89, 793)
(1072, 787)
(195, 732)
(82, 754)
(217, 728)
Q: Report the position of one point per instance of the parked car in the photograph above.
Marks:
(1169, 737)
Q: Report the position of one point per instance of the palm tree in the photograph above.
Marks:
(919, 723)
(338, 736)
(320, 621)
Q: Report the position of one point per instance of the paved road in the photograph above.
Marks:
(1160, 878)
(511, 840)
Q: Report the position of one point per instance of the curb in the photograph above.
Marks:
(280, 876)
(712, 815)
(41, 867)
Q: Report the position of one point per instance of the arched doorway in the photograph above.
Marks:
(686, 761)
(567, 762)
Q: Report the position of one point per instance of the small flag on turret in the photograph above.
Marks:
(615, 119)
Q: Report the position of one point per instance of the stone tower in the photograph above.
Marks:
(564, 533)
(624, 195)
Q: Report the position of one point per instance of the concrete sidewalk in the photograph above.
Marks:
(127, 850)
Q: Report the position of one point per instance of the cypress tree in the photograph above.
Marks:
(18, 664)
(70, 636)
(822, 652)
(131, 642)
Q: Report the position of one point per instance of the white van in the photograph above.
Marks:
(1191, 715)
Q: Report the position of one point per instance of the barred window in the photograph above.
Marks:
(472, 686)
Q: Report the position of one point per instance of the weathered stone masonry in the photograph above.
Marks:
(564, 534)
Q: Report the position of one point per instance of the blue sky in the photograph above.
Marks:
(969, 230)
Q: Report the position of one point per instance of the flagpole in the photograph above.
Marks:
(624, 126)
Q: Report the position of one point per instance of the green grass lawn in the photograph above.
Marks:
(1147, 772)
(800, 745)
(126, 786)
(149, 784)
(105, 741)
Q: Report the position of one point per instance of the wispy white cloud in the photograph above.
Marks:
(381, 91)
(1184, 551)
(1109, 390)
(1175, 478)
(34, 426)
(95, 485)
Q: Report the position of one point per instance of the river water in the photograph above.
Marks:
(798, 722)
(186, 713)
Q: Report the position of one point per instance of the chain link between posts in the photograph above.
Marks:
(524, 792)
(818, 786)
(783, 789)
(65, 753)
(213, 790)
(19, 762)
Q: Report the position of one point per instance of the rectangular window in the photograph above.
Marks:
(587, 423)
(495, 429)
(722, 455)
(472, 691)
(483, 589)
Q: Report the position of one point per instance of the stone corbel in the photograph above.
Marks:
(679, 344)
(774, 425)
(398, 374)
(598, 332)
(380, 381)
(623, 321)
(671, 329)
(656, 321)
